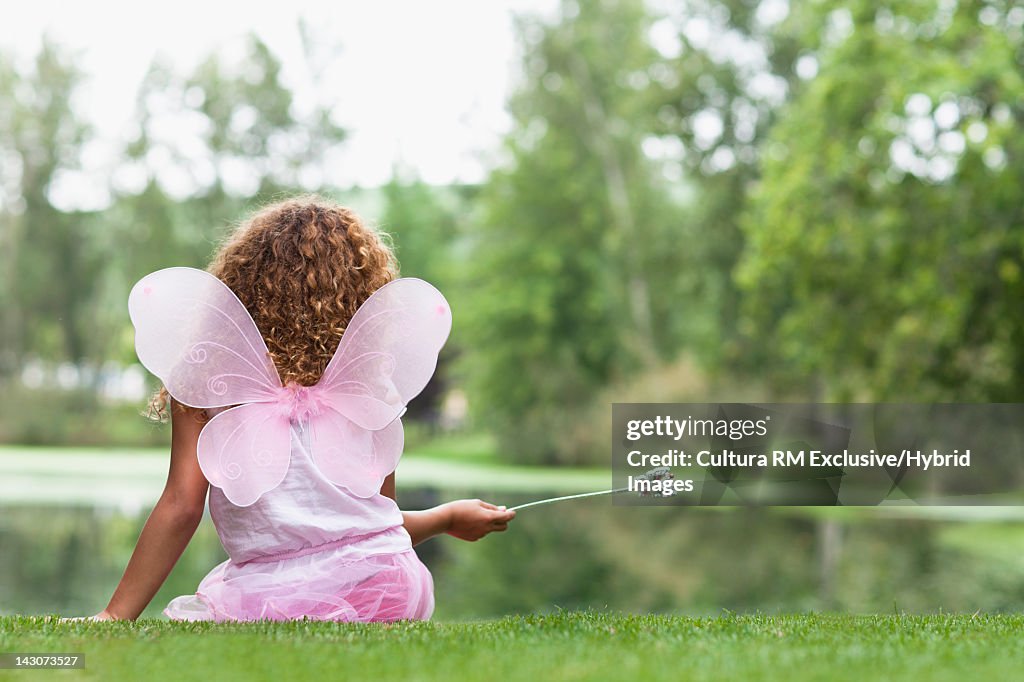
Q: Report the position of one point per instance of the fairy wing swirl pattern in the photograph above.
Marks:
(245, 451)
(388, 353)
(386, 356)
(193, 333)
(353, 457)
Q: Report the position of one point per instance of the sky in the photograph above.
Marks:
(422, 84)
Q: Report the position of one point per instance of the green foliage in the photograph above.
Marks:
(568, 255)
(52, 416)
(66, 274)
(247, 134)
(242, 140)
(50, 262)
(885, 240)
(716, 94)
(423, 226)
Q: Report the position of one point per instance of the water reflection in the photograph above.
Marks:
(583, 555)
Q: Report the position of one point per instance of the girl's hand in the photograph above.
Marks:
(472, 519)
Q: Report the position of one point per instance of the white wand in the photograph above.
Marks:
(660, 474)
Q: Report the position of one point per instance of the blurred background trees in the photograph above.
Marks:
(50, 261)
(885, 240)
(572, 282)
(815, 200)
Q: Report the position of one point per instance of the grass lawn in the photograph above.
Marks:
(564, 646)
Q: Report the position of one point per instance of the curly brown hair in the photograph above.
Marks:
(302, 267)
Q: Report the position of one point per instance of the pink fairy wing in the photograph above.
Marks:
(245, 451)
(386, 356)
(195, 335)
(353, 457)
(388, 353)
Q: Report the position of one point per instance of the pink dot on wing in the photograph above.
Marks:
(147, 290)
(441, 310)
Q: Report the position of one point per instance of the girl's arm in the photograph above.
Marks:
(465, 519)
(171, 524)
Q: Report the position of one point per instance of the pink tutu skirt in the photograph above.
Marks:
(341, 581)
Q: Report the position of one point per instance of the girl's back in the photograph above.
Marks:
(310, 548)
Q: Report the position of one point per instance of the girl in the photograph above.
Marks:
(307, 547)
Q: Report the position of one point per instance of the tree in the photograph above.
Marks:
(51, 265)
(564, 272)
(726, 69)
(423, 226)
(885, 242)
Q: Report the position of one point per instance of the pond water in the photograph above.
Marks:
(585, 554)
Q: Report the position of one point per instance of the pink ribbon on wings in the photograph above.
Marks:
(193, 333)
